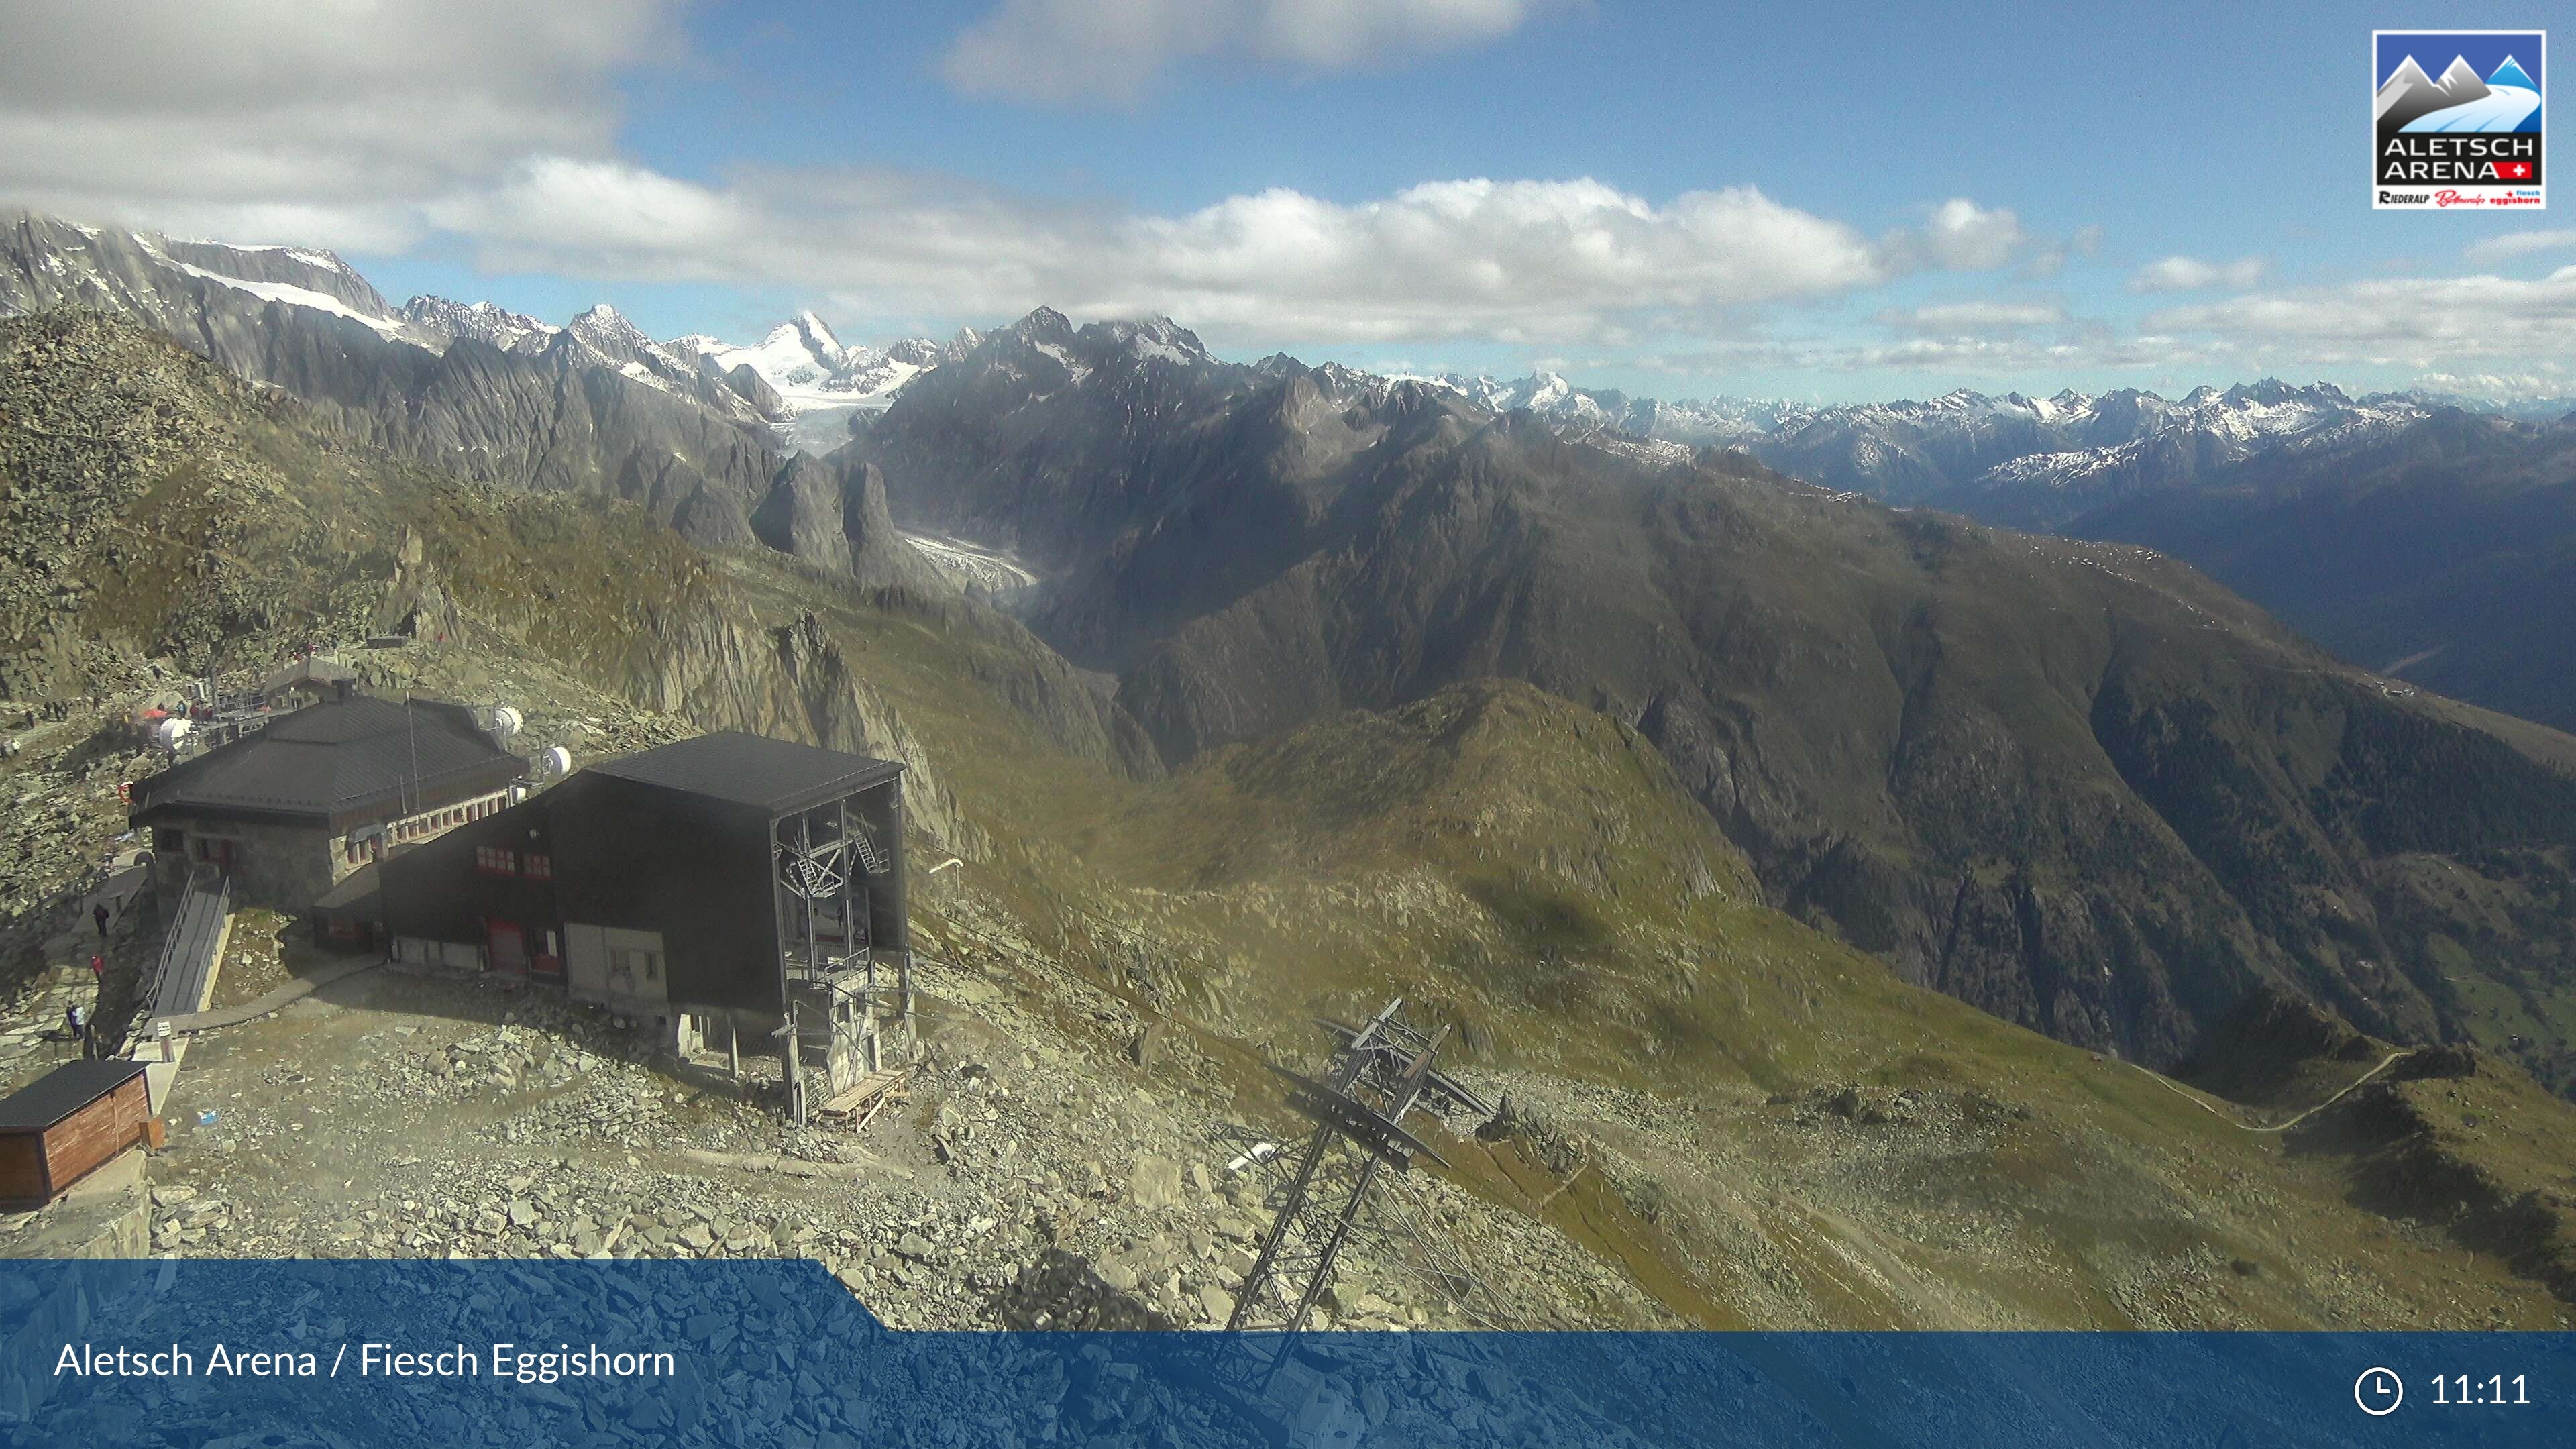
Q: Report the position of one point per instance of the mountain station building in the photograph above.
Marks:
(739, 892)
(294, 808)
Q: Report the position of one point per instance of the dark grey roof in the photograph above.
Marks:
(61, 1092)
(357, 891)
(336, 763)
(747, 769)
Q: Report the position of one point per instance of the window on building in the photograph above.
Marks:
(495, 860)
(540, 867)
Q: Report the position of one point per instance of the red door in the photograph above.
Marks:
(509, 948)
(549, 961)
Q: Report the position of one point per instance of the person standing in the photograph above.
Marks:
(102, 915)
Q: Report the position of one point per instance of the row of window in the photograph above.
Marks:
(359, 849)
(502, 860)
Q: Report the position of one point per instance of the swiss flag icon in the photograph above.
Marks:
(2514, 170)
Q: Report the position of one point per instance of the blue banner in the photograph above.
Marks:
(270, 1355)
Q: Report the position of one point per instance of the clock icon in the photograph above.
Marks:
(2379, 1391)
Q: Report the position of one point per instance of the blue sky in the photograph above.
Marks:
(1830, 201)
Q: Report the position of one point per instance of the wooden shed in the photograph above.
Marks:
(62, 1126)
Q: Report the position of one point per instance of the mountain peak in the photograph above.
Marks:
(483, 321)
(1161, 336)
(816, 332)
(1043, 322)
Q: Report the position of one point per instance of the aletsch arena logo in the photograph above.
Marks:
(2456, 118)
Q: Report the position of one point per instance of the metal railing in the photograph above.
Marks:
(188, 951)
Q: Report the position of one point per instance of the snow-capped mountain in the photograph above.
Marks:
(821, 385)
(485, 322)
(2040, 462)
(2024, 461)
(1644, 427)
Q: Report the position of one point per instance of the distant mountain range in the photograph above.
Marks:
(2430, 537)
(2076, 783)
(2188, 474)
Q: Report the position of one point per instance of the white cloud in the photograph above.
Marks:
(489, 127)
(2552, 381)
(1962, 235)
(313, 120)
(1961, 358)
(1974, 319)
(1068, 50)
(2190, 274)
(2420, 322)
(1515, 261)
(2517, 244)
(2049, 260)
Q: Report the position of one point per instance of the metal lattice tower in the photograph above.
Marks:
(1380, 1072)
(823, 935)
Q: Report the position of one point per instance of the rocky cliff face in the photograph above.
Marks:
(596, 407)
(711, 667)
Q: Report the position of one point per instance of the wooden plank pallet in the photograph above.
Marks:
(866, 1096)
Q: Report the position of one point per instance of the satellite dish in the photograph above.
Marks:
(552, 763)
(169, 732)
